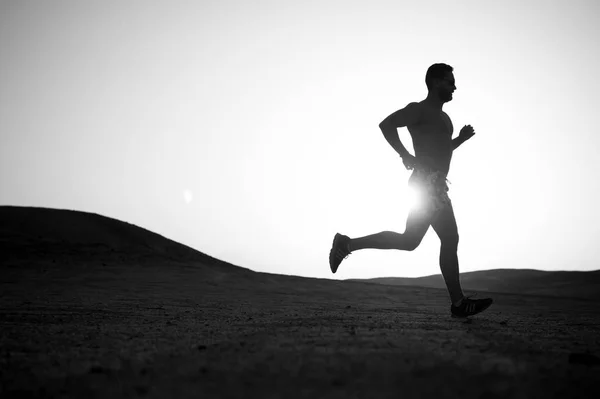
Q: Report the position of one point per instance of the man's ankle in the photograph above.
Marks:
(459, 302)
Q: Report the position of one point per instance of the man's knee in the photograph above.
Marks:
(450, 241)
(413, 241)
(407, 241)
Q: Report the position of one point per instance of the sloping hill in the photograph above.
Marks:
(44, 251)
(576, 284)
(35, 233)
(28, 233)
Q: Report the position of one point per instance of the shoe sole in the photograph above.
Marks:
(333, 246)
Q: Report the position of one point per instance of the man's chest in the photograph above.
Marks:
(434, 124)
(436, 121)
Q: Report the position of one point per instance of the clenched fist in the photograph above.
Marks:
(466, 132)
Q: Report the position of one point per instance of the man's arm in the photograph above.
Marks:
(409, 115)
(457, 142)
(465, 134)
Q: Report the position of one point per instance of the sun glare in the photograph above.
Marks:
(414, 199)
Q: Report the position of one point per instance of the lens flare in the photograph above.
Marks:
(415, 198)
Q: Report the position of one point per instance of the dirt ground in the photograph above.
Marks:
(160, 328)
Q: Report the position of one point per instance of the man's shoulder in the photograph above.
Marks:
(414, 111)
(415, 108)
(415, 105)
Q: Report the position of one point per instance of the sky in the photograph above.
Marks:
(248, 130)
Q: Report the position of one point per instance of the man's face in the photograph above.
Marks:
(446, 87)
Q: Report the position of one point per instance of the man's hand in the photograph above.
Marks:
(466, 133)
(410, 162)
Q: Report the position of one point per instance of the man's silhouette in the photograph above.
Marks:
(431, 131)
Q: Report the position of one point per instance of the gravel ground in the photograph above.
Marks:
(117, 326)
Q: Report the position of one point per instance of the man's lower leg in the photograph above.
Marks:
(449, 268)
(384, 240)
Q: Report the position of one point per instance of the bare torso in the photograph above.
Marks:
(432, 138)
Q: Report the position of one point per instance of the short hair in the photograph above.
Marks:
(436, 71)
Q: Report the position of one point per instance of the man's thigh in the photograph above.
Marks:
(444, 223)
(418, 223)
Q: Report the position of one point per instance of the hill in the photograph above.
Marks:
(35, 229)
(575, 284)
(36, 243)
(63, 235)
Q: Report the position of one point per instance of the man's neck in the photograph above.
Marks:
(434, 101)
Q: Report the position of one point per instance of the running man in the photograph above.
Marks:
(431, 131)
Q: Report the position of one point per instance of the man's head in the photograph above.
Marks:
(440, 80)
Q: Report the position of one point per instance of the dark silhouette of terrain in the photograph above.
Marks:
(94, 307)
(574, 284)
(41, 232)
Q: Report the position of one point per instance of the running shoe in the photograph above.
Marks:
(470, 307)
(339, 251)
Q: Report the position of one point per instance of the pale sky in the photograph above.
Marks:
(248, 130)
